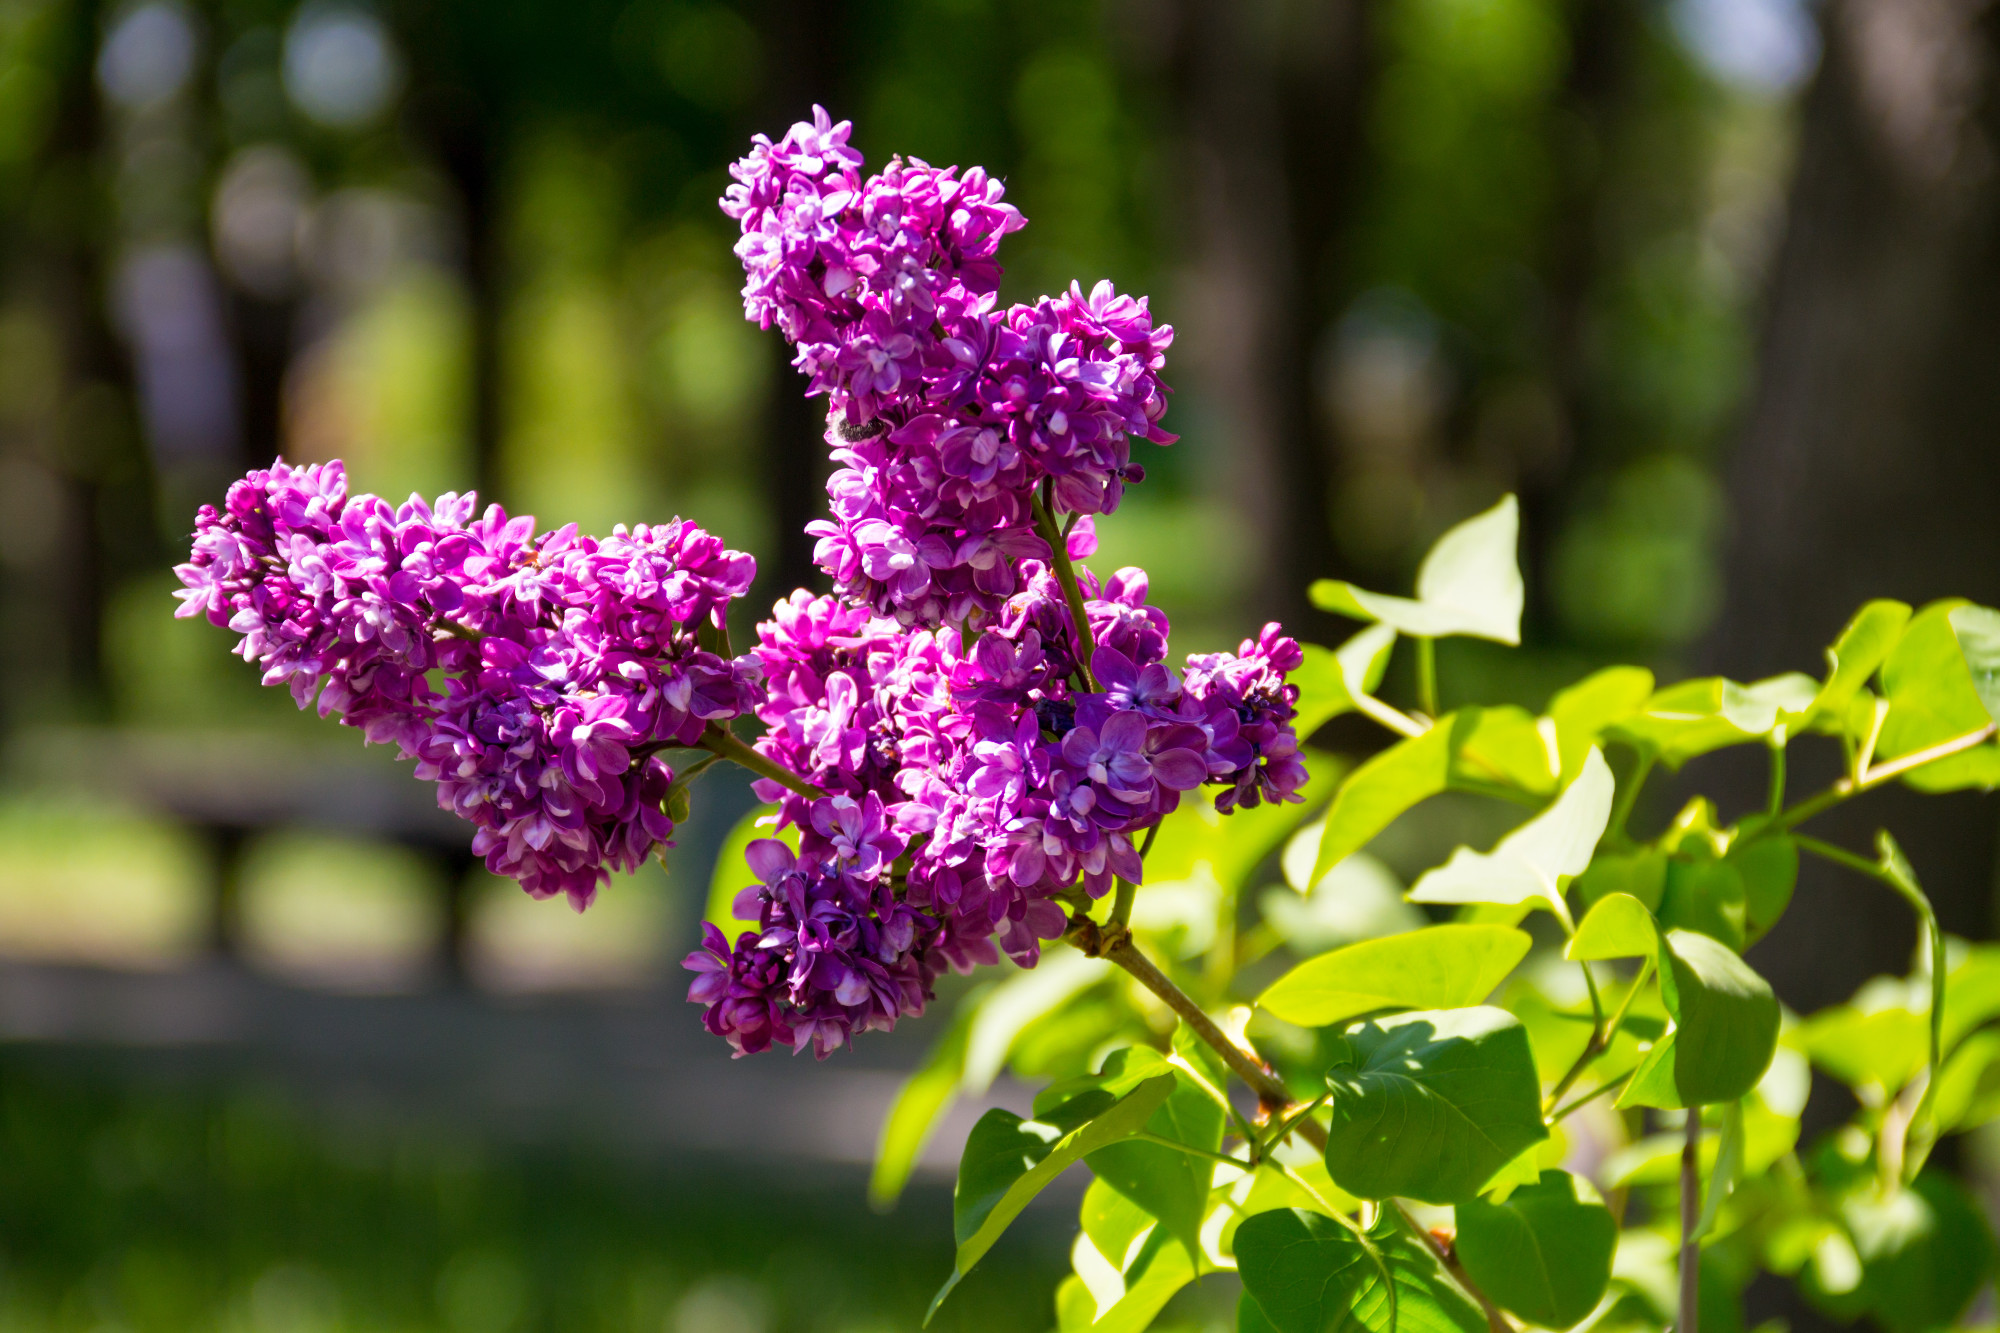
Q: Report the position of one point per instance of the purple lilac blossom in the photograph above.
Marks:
(945, 413)
(567, 660)
(981, 784)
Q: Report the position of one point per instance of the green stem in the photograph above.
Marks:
(1290, 1123)
(1495, 1320)
(1045, 524)
(1601, 1036)
(1893, 870)
(719, 741)
(1690, 1311)
(1148, 1136)
(1561, 1114)
(1121, 906)
(1427, 676)
(1872, 778)
(1628, 794)
(1394, 719)
(1776, 805)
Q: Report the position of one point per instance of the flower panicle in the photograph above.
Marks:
(566, 661)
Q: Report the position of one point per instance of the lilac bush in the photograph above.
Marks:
(971, 744)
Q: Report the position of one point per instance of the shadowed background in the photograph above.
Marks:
(1707, 282)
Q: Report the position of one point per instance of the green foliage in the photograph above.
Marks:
(1440, 967)
(1468, 584)
(1303, 1272)
(1432, 1104)
(1545, 1253)
(1452, 1054)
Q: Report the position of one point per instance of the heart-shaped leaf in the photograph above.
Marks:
(1544, 1254)
(1433, 1104)
(1725, 1027)
(1618, 926)
(1387, 785)
(1439, 967)
(1859, 651)
(1303, 1272)
(1534, 863)
(1008, 1161)
(1469, 584)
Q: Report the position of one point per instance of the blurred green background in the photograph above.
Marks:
(1706, 281)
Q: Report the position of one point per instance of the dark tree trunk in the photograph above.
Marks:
(1870, 466)
(804, 39)
(1274, 97)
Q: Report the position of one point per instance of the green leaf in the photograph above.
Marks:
(731, 875)
(1641, 874)
(1618, 926)
(1770, 869)
(1925, 1252)
(1583, 711)
(1330, 680)
(1439, 967)
(1148, 1288)
(1432, 1105)
(1932, 698)
(1112, 1222)
(1881, 1040)
(1697, 716)
(1859, 651)
(1387, 785)
(1545, 1254)
(1968, 1090)
(925, 1096)
(1536, 862)
(1977, 629)
(1468, 584)
(1652, 1082)
(1722, 1175)
(1706, 895)
(1725, 1018)
(1018, 1003)
(1172, 1186)
(1510, 747)
(1303, 1272)
(1008, 1161)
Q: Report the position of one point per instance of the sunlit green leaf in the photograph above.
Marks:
(1697, 716)
(1440, 967)
(1008, 1161)
(1932, 699)
(1468, 584)
(1171, 1186)
(1583, 711)
(1618, 926)
(1725, 1017)
(1433, 1104)
(1509, 746)
(1306, 1273)
(1641, 874)
(1972, 991)
(1770, 869)
(1860, 651)
(1387, 785)
(1978, 631)
(1881, 1041)
(1706, 895)
(1536, 862)
(1968, 1090)
(1544, 1254)
(1329, 680)
(1152, 1283)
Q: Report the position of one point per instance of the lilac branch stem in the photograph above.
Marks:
(1045, 524)
(718, 740)
(1690, 1311)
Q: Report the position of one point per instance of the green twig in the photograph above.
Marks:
(1602, 1034)
(1563, 1113)
(1121, 905)
(1045, 524)
(1628, 794)
(1285, 1126)
(1495, 1320)
(1148, 1136)
(718, 740)
(1776, 805)
(1427, 676)
(1690, 1311)
(1870, 778)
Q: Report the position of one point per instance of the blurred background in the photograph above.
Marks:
(1710, 283)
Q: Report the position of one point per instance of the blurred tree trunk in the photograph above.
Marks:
(804, 38)
(1274, 99)
(1870, 464)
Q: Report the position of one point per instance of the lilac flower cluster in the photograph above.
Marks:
(567, 661)
(977, 792)
(947, 414)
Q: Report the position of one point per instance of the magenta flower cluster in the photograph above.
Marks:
(977, 735)
(986, 764)
(947, 415)
(567, 661)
